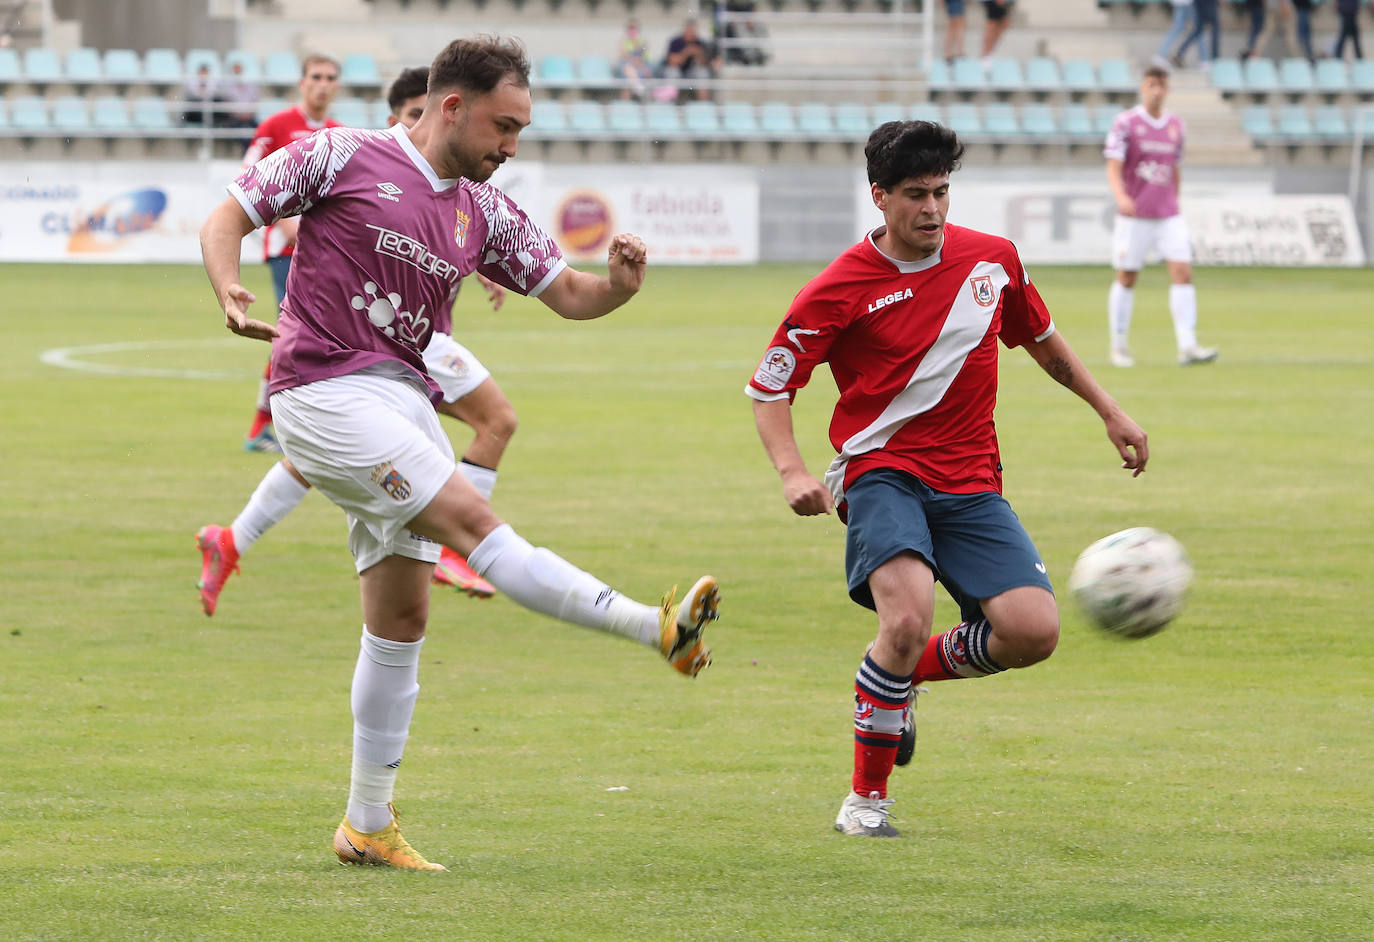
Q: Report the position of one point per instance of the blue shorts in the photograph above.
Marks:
(954, 7)
(973, 542)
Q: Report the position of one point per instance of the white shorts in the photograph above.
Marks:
(1133, 240)
(453, 367)
(371, 442)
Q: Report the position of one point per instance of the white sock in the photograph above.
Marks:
(1120, 306)
(550, 585)
(385, 685)
(276, 496)
(1183, 309)
(482, 478)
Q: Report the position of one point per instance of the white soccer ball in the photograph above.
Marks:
(1132, 583)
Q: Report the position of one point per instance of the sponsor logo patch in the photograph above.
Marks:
(776, 369)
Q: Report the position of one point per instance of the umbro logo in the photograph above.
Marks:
(388, 191)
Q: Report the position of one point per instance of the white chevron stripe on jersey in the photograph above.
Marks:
(965, 326)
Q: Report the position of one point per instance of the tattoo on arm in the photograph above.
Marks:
(1059, 368)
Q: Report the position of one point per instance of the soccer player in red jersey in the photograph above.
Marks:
(909, 320)
(318, 85)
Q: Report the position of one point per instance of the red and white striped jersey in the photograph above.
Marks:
(913, 350)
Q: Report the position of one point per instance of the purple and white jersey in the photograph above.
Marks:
(383, 244)
(1150, 150)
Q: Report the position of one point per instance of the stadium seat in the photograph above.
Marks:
(814, 119)
(281, 68)
(378, 112)
(965, 120)
(925, 111)
(1038, 120)
(737, 119)
(1001, 121)
(195, 58)
(625, 118)
(851, 120)
(150, 113)
(29, 113)
(937, 76)
(351, 112)
(1103, 116)
(596, 71)
(1005, 76)
(701, 118)
(1116, 76)
(1296, 78)
(776, 119)
(1362, 77)
(556, 70)
(252, 65)
(1261, 77)
(69, 114)
(587, 117)
(359, 68)
(1258, 122)
(267, 107)
(548, 118)
(1077, 122)
(1295, 123)
(83, 65)
(663, 119)
(9, 65)
(110, 113)
(1331, 77)
(122, 65)
(1042, 75)
(162, 65)
(967, 75)
(1079, 76)
(1227, 76)
(884, 111)
(1330, 123)
(42, 66)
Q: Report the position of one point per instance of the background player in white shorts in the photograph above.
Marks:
(1143, 150)
(470, 395)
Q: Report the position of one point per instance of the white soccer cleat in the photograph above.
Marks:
(1191, 356)
(865, 817)
(1121, 357)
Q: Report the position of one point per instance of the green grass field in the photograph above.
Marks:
(169, 776)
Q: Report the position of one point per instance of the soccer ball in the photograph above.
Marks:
(1132, 583)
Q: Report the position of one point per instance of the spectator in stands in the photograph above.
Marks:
(1205, 17)
(1349, 12)
(633, 63)
(998, 13)
(742, 33)
(954, 30)
(201, 95)
(1265, 14)
(1302, 16)
(690, 58)
(241, 99)
(1183, 16)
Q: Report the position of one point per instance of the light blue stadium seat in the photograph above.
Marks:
(1258, 122)
(964, 118)
(596, 71)
(378, 112)
(776, 119)
(122, 65)
(42, 65)
(1362, 76)
(925, 111)
(1295, 123)
(1331, 77)
(884, 111)
(9, 65)
(1077, 122)
(814, 119)
(267, 107)
(1227, 76)
(110, 113)
(663, 119)
(1295, 77)
(252, 65)
(938, 77)
(1042, 75)
(1330, 122)
(149, 113)
(1103, 116)
(1038, 120)
(556, 70)
(587, 117)
(1116, 76)
(548, 118)
(83, 65)
(29, 113)
(351, 112)
(967, 75)
(851, 120)
(1362, 121)
(1005, 75)
(1261, 77)
(1001, 121)
(281, 68)
(625, 118)
(69, 113)
(359, 68)
(1079, 75)
(162, 65)
(195, 58)
(738, 119)
(701, 118)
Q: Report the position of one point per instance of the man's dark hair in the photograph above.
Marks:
(1158, 72)
(409, 84)
(478, 65)
(899, 150)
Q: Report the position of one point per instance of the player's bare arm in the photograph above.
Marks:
(1124, 204)
(1059, 360)
(221, 240)
(804, 494)
(579, 296)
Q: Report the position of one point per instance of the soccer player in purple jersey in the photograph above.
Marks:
(1144, 149)
(391, 221)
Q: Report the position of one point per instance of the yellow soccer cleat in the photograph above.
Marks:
(681, 626)
(384, 848)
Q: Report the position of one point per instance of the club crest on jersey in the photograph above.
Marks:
(982, 290)
(776, 369)
(391, 480)
(887, 299)
(460, 227)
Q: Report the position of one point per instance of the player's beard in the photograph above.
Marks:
(471, 166)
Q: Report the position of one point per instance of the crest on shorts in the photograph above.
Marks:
(390, 480)
(982, 290)
(460, 227)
